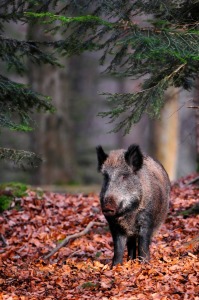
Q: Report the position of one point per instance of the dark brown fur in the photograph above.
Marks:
(134, 199)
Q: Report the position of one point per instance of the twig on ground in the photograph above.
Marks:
(194, 209)
(3, 240)
(73, 236)
(194, 180)
(197, 107)
(193, 242)
(74, 253)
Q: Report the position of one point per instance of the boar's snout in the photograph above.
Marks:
(109, 206)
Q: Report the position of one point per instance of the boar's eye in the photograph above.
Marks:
(125, 176)
(106, 176)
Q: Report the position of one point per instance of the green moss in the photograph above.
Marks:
(197, 163)
(89, 284)
(10, 191)
(98, 254)
(60, 241)
(39, 192)
(194, 210)
(5, 202)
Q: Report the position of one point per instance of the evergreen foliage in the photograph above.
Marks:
(19, 101)
(155, 40)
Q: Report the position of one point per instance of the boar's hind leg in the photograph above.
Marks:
(131, 246)
(119, 241)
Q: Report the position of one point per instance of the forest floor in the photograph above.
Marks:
(81, 269)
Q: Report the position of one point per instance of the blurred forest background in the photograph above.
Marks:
(66, 139)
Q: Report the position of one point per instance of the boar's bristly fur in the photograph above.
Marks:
(134, 199)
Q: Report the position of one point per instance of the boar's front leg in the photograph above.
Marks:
(119, 245)
(144, 236)
(119, 242)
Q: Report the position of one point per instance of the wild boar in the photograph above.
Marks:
(134, 199)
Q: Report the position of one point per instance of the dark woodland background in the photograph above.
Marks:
(66, 139)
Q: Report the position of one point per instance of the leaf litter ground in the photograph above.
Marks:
(81, 270)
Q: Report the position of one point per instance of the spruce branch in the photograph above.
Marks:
(133, 106)
(175, 71)
(13, 52)
(67, 20)
(20, 158)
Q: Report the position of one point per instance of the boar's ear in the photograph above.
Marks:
(134, 157)
(101, 156)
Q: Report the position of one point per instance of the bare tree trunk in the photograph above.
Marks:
(196, 101)
(120, 140)
(164, 135)
(53, 137)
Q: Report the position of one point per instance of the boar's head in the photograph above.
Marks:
(121, 189)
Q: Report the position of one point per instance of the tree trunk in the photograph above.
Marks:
(164, 134)
(53, 137)
(196, 102)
